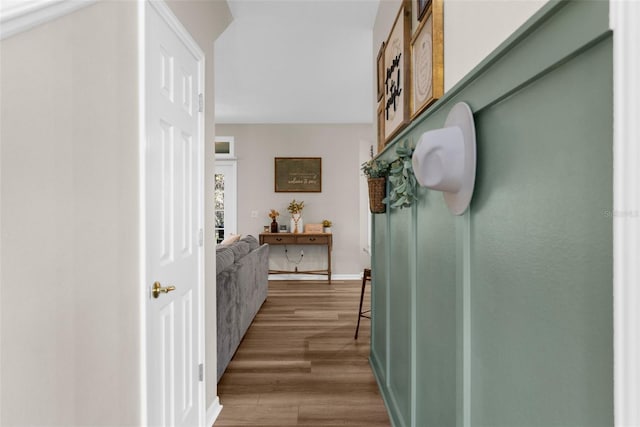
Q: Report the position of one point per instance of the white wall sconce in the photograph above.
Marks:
(445, 159)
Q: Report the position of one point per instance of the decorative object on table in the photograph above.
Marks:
(445, 159)
(298, 174)
(313, 228)
(397, 76)
(402, 188)
(427, 59)
(295, 209)
(273, 215)
(266, 228)
(283, 228)
(326, 225)
(376, 171)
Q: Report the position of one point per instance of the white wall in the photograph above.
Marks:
(206, 20)
(474, 28)
(69, 273)
(340, 147)
(70, 296)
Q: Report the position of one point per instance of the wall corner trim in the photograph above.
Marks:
(16, 17)
(624, 16)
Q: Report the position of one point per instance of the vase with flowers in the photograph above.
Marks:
(273, 215)
(295, 209)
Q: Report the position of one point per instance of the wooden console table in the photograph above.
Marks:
(324, 239)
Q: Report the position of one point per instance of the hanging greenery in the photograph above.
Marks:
(402, 179)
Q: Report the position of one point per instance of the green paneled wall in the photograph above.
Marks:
(379, 296)
(436, 312)
(503, 316)
(399, 374)
(541, 296)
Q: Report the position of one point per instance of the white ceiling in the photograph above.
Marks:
(296, 61)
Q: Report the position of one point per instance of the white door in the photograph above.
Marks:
(173, 163)
(226, 199)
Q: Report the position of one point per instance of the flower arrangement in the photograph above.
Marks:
(326, 223)
(274, 214)
(375, 168)
(295, 207)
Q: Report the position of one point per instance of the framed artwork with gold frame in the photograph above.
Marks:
(298, 174)
(380, 73)
(381, 140)
(427, 60)
(421, 8)
(396, 73)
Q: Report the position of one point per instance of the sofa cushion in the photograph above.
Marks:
(252, 241)
(240, 249)
(225, 258)
(231, 238)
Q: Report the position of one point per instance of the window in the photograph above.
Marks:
(225, 147)
(225, 189)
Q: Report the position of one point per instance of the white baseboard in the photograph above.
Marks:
(213, 411)
(334, 277)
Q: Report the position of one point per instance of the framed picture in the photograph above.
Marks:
(381, 140)
(427, 60)
(298, 174)
(380, 72)
(422, 6)
(396, 69)
(283, 228)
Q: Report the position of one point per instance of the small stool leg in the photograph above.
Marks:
(365, 276)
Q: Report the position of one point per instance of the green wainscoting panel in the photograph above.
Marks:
(541, 267)
(436, 312)
(399, 375)
(379, 296)
(503, 317)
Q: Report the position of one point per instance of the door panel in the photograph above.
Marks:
(173, 189)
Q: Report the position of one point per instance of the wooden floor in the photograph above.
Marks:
(299, 365)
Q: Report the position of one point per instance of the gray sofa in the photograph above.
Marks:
(242, 273)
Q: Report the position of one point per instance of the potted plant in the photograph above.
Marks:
(326, 224)
(376, 171)
(273, 215)
(295, 209)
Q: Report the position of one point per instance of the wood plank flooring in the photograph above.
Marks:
(299, 365)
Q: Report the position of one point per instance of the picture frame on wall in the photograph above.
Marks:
(380, 73)
(421, 8)
(427, 60)
(298, 174)
(397, 74)
(381, 139)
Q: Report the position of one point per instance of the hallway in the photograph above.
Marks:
(299, 364)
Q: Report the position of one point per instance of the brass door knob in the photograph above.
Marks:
(158, 289)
